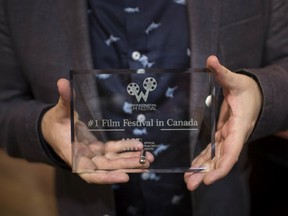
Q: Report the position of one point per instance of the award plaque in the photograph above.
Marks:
(145, 120)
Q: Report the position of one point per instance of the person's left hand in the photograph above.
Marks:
(238, 116)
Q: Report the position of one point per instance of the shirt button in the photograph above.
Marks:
(136, 55)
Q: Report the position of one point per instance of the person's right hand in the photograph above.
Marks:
(56, 130)
(282, 134)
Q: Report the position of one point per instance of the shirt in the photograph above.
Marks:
(134, 34)
(139, 34)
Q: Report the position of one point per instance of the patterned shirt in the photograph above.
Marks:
(133, 34)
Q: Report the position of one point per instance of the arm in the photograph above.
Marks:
(273, 75)
(238, 116)
(25, 114)
(19, 111)
(56, 128)
(252, 107)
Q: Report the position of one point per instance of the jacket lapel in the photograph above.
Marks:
(76, 27)
(204, 19)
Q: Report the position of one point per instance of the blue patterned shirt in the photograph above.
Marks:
(133, 34)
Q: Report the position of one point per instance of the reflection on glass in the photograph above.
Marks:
(165, 110)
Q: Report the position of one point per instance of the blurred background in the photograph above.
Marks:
(269, 178)
(26, 189)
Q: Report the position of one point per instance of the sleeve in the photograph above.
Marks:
(19, 111)
(273, 76)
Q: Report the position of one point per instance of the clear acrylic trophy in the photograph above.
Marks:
(167, 111)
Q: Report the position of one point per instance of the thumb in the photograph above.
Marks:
(63, 105)
(224, 77)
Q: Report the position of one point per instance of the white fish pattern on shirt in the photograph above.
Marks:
(150, 176)
(188, 52)
(176, 199)
(160, 148)
(152, 27)
(170, 92)
(138, 132)
(103, 76)
(145, 61)
(111, 39)
(182, 2)
(127, 107)
(132, 10)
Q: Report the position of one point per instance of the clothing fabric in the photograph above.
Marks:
(41, 40)
(137, 35)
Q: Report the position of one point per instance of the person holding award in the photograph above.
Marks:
(243, 43)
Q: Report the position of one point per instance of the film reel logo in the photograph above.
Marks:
(149, 84)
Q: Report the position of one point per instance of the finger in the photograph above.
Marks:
(208, 176)
(63, 105)
(82, 133)
(96, 147)
(107, 174)
(123, 145)
(282, 134)
(203, 162)
(223, 166)
(193, 180)
(224, 161)
(224, 77)
(130, 154)
(105, 177)
(83, 162)
(104, 163)
(98, 163)
(202, 157)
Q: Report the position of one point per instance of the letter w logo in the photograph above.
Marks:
(149, 85)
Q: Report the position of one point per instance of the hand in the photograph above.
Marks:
(238, 116)
(92, 154)
(282, 134)
(56, 129)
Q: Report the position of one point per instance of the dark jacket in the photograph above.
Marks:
(41, 40)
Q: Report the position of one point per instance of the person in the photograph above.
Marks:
(42, 40)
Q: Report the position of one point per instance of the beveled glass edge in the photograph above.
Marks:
(138, 71)
(148, 170)
(143, 71)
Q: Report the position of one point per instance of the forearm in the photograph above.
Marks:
(19, 133)
(273, 83)
(19, 109)
(273, 74)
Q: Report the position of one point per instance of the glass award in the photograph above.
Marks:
(144, 120)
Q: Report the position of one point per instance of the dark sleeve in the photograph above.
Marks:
(19, 111)
(273, 76)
